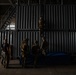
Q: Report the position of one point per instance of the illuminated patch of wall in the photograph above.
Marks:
(10, 27)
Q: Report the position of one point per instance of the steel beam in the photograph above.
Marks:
(5, 3)
(11, 3)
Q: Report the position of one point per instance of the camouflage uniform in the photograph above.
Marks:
(41, 26)
(5, 54)
(24, 48)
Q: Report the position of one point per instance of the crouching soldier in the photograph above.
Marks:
(35, 51)
(24, 49)
(5, 53)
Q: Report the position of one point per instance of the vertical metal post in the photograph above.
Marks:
(9, 36)
(29, 17)
(57, 1)
(1, 22)
(24, 17)
(31, 38)
(59, 17)
(62, 17)
(15, 41)
(50, 43)
(61, 42)
(49, 17)
(28, 2)
(61, 2)
(58, 42)
(74, 41)
(56, 20)
(21, 25)
(1, 37)
(74, 15)
(53, 41)
(17, 15)
(70, 40)
(53, 15)
(35, 16)
(39, 1)
(29, 42)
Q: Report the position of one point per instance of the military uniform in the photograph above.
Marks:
(44, 47)
(41, 26)
(35, 51)
(5, 50)
(24, 48)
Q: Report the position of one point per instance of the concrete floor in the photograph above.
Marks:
(53, 70)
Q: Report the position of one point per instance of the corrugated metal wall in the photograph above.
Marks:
(55, 16)
(60, 28)
(10, 35)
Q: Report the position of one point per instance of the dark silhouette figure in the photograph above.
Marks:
(24, 51)
(44, 46)
(35, 51)
(5, 52)
(41, 26)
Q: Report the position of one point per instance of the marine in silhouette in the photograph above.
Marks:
(41, 26)
(5, 53)
(35, 51)
(24, 49)
(44, 46)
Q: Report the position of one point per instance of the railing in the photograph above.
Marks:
(7, 15)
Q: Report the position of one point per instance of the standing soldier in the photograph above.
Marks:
(44, 46)
(5, 53)
(41, 26)
(24, 49)
(35, 51)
